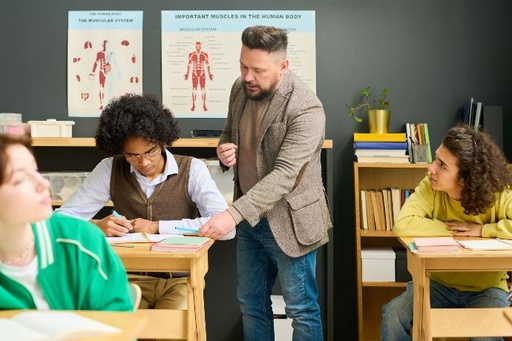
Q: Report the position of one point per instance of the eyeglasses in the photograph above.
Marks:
(151, 154)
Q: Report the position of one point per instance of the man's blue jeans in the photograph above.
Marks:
(397, 314)
(260, 260)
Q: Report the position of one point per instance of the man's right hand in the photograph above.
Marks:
(114, 227)
(226, 153)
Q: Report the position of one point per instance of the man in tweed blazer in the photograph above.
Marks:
(273, 138)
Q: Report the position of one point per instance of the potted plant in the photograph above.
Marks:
(378, 115)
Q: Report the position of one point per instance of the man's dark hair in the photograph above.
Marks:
(482, 167)
(135, 116)
(266, 38)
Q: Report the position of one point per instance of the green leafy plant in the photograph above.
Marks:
(363, 101)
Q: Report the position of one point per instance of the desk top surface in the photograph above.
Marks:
(463, 253)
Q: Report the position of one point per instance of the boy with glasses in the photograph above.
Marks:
(154, 191)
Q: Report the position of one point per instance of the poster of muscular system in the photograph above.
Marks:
(104, 59)
(201, 49)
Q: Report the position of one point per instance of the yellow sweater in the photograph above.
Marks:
(424, 214)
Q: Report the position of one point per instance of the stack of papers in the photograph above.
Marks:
(181, 244)
(436, 244)
(138, 237)
(486, 244)
(52, 325)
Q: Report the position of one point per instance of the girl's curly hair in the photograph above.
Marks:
(135, 116)
(482, 167)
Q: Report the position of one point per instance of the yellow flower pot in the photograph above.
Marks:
(378, 121)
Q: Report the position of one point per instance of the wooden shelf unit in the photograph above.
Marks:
(371, 296)
(90, 142)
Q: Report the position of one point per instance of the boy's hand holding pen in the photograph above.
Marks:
(127, 223)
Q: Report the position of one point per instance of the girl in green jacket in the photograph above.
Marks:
(50, 261)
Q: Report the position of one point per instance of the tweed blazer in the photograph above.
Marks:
(290, 191)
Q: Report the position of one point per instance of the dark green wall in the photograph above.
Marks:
(431, 55)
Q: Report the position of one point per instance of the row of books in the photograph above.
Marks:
(472, 113)
(418, 142)
(373, 148)
(380, 207)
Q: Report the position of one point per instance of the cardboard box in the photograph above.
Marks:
(51, 128)
(63, 184)
(378, 265)
(224, 180)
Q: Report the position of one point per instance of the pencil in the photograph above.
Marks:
(145, 236)
(124, 245)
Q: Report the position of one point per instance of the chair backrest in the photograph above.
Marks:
(135, 294)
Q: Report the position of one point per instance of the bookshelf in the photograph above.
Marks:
(371, 296)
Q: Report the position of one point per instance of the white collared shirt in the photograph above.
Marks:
(94, 193)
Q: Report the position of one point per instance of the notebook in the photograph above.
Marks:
(181, 244)
(436, 244)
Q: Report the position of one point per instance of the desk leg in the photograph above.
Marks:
(191, 313)
(198, 271)
(421, 298)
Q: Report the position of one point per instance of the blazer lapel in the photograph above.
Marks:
(237, 110)
(276, 104)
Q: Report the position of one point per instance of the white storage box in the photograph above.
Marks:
(378, 265)
(10, 118)
(63, 184)
(224, 180)
(283, 329)
(51, 128)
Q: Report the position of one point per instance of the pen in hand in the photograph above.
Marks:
(118, 216)
(187, 229)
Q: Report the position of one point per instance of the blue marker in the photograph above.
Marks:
(188, 229)
(118, 216)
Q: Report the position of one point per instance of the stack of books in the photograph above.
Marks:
(181, 244)
(373, 148)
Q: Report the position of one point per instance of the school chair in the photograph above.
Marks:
(135, 294)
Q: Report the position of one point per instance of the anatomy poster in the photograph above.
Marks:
(104, 59)
(201, 50)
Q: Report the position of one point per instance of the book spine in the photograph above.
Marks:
(388, 137)
(427, 143)
(380, 145)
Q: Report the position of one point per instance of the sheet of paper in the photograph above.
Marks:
(61, 325)
(485, 244)
(138, 238)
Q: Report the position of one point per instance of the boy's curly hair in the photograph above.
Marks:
(135, 116)
(482, 167)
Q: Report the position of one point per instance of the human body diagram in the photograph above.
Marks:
(104, 65)
(199, 62)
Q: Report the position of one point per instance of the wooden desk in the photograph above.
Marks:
(130, 323)
(428, 322)
(141, 258)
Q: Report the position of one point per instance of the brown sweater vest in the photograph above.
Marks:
(169, 201)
